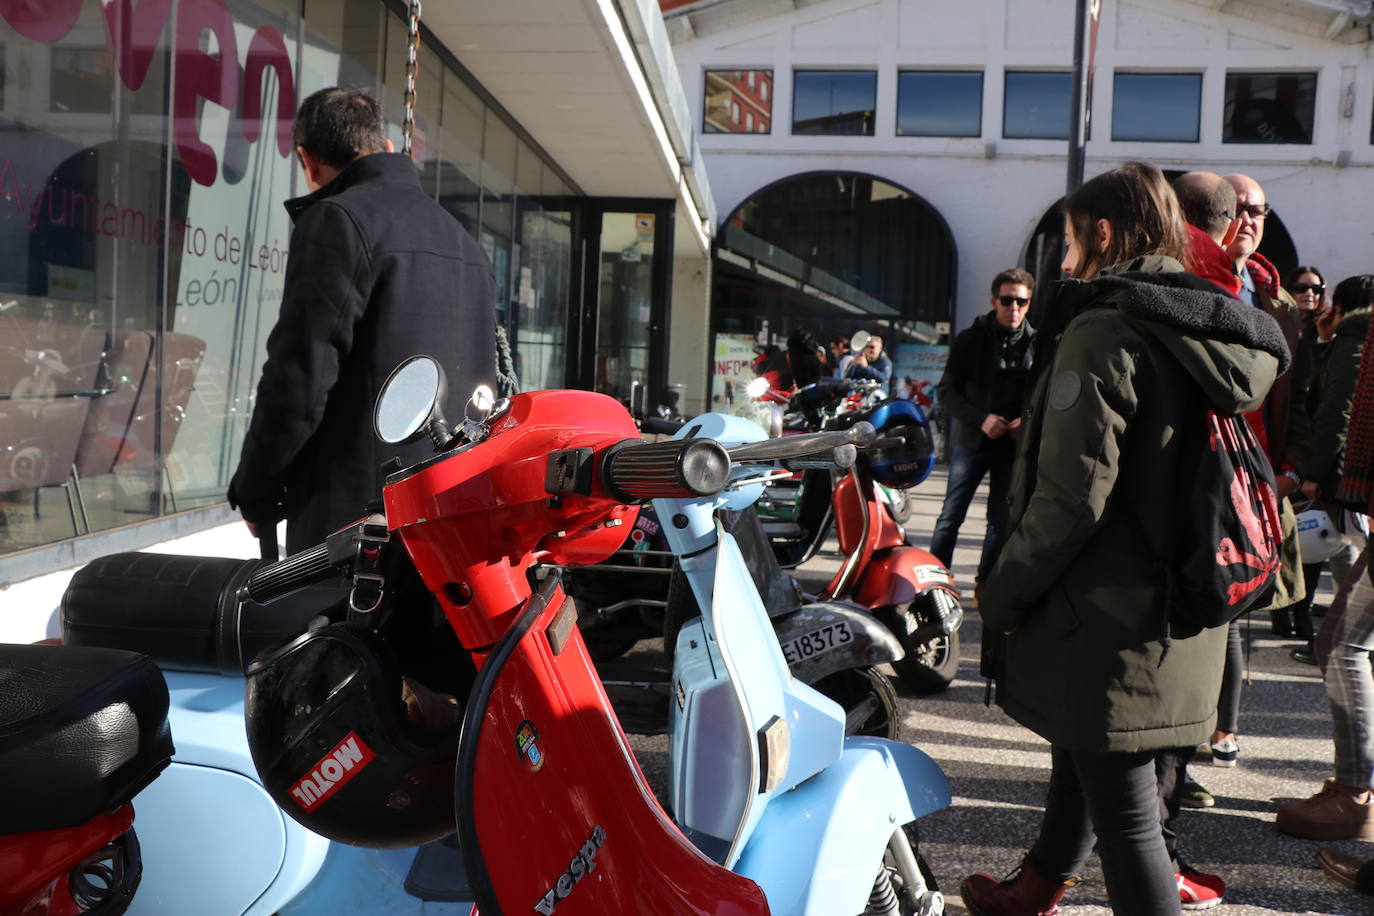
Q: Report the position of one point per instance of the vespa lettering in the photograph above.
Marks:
(582, 864)
(333, 770)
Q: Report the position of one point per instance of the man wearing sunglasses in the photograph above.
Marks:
(982, 388)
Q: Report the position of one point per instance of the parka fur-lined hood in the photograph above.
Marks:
(1232, 350)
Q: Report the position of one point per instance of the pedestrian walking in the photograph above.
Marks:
(1143, 350)
(982, 387)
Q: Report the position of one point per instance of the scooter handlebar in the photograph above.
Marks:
(677, 469)
(796, 447)
(841, 458)
(275, 580)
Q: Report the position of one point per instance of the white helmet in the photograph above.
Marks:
(1318, 537)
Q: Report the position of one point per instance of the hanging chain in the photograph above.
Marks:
(412, 72)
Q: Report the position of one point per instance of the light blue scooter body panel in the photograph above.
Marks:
(214, 842)
(840, 820)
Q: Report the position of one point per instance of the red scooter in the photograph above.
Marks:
(905, 587)
(82, 731)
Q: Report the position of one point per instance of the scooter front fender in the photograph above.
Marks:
(829, 636)
(841, 820)
(901, 575)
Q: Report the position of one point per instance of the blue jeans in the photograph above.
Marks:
(967, 467)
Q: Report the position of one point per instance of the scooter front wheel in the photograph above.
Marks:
(931, 662)
(869, 702)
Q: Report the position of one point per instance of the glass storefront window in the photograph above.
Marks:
(729, 92)
(1156, 107)
(939, 104)
(834, 102)
(625, 307)
(146, 252)
(1269, 108)
(1036, 105)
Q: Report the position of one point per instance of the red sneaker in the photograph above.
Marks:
(1198, 890)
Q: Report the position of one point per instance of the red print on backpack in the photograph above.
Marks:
(1256, 508)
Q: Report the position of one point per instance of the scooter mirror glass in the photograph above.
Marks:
(757, 388)
(859, 341)
(408, 400)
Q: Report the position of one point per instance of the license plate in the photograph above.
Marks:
(818, 642)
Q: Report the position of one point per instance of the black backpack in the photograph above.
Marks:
(1227, 538)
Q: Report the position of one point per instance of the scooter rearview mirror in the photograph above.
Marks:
(757, 388)
(409, 405)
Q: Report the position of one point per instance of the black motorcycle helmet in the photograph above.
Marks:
(337, 747)
(908, 463)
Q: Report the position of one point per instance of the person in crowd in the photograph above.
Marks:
(837, 361)
(982, 388)
(1342, 440)
(1208, 202)
(1280, 424)
(377, 273)
(1132, 350)
(871, 363)
(1319, 321)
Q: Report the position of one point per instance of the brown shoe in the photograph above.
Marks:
(978, 594)
(1337, 812)
(1352, 871)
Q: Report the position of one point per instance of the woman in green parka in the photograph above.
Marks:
(1137, 350)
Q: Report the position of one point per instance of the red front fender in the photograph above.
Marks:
(901, 575)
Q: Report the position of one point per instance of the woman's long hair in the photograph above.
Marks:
(1143, 212)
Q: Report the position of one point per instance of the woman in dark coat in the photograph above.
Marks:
(1080, 587)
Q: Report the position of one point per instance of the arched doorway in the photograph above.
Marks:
(830, 253)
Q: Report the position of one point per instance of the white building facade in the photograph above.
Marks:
(993, 185)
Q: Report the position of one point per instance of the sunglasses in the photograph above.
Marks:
(1254, 211)
(1317, 288)
(1009, 301)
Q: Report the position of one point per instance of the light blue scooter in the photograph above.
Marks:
(761, 777)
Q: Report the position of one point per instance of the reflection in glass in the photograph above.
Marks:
(730, 92)
(1156, 106)
(1269, 107)
(625, 308)
(834, 102)
(939, 104)
(1036, 105)
(460, 153)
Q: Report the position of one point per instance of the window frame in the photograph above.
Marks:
(1007, 75)
(798, 72)
(1314, 74)
(763, 77)
(982, 90)
(1197, 120)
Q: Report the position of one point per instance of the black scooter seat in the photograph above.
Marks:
(82, 730)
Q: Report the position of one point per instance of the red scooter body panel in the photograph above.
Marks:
(900, 575)
(555, 813)
(31, 862)
(475, 520)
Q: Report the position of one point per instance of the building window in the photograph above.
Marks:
(834, 102)
(1156, 107)
(732, 94)
(939, 104)
(1036, 105)
(1269, 107)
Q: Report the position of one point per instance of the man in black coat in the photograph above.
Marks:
(377, 272)
(982, 388)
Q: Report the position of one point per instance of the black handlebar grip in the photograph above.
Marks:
(842, 457)
(275, 580)
(678, 469)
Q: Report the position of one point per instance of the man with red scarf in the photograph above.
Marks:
(1284, 428)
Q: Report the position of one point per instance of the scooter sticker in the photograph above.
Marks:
(528, 746)
(345, 761)
(582, 864)
(931, 573)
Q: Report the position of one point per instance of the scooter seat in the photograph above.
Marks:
(184, 611)
(82, 731)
